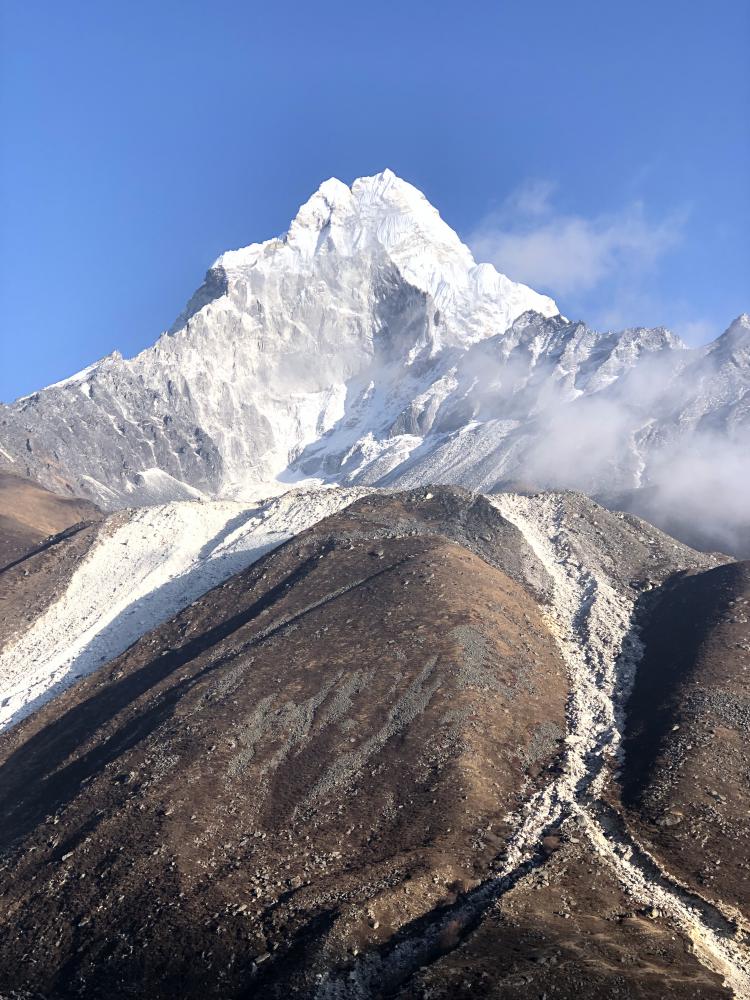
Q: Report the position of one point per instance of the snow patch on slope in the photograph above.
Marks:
(145, 566)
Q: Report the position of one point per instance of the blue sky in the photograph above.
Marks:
(600, 151)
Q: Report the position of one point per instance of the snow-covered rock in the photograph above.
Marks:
(279, 344)
(367, 346)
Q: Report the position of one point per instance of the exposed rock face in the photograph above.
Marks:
(367, 346)
(282, 341)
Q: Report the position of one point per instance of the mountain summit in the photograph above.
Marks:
(386, 214)
(366, 345)
(258, 365)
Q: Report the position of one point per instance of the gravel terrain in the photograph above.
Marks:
(30, 516)
(323, 749)
(385, 760)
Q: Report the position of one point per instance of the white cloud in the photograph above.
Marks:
(531, 200)
(564, 254)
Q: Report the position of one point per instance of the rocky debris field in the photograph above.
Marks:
(385, 760)
(687, 771)
(141, 567)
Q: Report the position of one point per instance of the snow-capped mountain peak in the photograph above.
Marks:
(365, 345)
(381, 210)
(735, 340)
(385, 218)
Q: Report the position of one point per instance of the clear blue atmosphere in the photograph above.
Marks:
(599, 151)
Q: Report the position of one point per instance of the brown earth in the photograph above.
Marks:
(29, 515)
(567, 931)
(36, 566)
(304, 783)
(687, 774)
(315, 754)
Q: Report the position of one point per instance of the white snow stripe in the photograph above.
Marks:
(592, 621)
(140, 574)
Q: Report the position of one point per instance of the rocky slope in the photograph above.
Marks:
(367, 346)
(43, 539)
(114, 581)
(31, 516)
(382, 761)
(317, 752)
(688, 732)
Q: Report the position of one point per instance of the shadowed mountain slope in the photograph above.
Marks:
(321, 750)
(43, 538)
(688, 732)
(568, 930)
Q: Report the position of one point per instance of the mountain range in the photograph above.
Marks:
(366, 346)
(335, 662)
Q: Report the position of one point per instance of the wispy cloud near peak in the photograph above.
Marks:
(568, 254)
